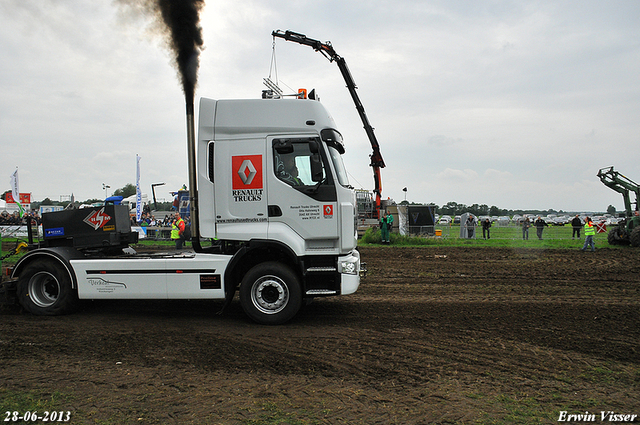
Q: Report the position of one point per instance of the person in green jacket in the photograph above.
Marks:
(386, 224)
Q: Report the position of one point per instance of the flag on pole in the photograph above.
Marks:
(138, 192)
(15, 190)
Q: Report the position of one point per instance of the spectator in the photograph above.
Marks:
(177, 230)
(540, 225)
(386, 224)
(486, 225)
(143, 220)
(471, 226)
(589, 233)
(525, 228)
(11, 219)
(576, 223)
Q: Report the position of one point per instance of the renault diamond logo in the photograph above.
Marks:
(246, 172)
(247, 178)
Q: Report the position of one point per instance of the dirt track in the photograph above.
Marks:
(434, 335)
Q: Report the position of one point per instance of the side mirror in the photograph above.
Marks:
(283, 146)
(313, 146)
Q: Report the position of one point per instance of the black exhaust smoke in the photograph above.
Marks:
(182, 19)
(179, 23)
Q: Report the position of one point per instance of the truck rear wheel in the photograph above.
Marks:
(270, 293)
(45, 289)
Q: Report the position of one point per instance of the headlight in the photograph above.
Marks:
(348, 267)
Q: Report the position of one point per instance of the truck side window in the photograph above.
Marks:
(294, 168)
(287, 170)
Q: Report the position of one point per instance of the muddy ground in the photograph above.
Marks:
(434, 335)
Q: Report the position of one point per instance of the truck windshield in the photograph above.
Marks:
(341, 172)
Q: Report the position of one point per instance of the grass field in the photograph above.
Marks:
(553, 237)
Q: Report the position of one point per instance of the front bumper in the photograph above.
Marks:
(350, 269)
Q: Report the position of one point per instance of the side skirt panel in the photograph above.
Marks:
(190, 276)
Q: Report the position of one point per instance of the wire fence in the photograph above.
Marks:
(506, 232)
(514, 231)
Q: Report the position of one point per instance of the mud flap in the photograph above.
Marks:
(229, 294)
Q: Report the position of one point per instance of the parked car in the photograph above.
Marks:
(613, 221)
(503, 220)
(560, 220)
(445, 219)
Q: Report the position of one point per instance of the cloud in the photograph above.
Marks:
(505, 103)
(442, 141)
(497, 175)
(459, 175)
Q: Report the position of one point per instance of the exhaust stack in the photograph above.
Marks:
(193, 185)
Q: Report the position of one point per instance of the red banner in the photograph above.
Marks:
(25, 198)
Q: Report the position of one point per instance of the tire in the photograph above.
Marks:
(635, 237)
(270, 293)
(44, 289)
(615, 238)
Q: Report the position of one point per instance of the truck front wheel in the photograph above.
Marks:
(45, 289)
(270, 293)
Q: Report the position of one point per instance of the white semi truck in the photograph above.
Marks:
(269, 190)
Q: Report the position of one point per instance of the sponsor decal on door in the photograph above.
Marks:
(246, 178)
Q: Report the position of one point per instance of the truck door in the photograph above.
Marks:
(302, 199)
(240, 201)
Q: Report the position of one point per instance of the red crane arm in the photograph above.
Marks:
(327, 50)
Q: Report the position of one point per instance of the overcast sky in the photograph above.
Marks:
(516, 104)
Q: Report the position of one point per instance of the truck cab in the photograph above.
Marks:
(278, 176)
